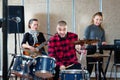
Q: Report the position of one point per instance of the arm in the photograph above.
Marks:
(87, 33)
(103, 38)
(41, 37)
(24, 43)
(53, 53)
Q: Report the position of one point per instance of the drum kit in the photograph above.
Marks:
(44, 66)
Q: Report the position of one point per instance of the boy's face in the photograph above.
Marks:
(62, 31)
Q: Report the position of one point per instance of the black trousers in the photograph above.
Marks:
(92, 60)
(57, 70)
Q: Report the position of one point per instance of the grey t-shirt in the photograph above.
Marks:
(95, 32)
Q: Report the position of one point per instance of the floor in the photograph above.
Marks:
(13, 78)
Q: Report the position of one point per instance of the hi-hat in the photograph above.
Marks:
(86, 41)
(97, 55)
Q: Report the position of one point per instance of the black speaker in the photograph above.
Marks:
(1, 22)
(117, 51)
(16, 19)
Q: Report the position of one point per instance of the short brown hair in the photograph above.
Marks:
(31, 21)
(62, 23)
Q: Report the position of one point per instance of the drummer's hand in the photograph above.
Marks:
(104, 43)
(78, 48)
(94, 43)
(62, 67)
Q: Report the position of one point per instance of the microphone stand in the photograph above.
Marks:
(9, 70)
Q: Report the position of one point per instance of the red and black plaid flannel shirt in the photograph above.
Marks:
(63, 50)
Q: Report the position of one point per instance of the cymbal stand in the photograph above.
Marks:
(9, 70)
(97, 71)
(97, 63)
(82, 57)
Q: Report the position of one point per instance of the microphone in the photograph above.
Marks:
(13, 54)
(16, 19)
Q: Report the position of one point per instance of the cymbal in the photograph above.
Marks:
(97, 55)
(86, 41)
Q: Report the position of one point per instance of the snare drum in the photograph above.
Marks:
(73, 74)
(44, 66)
(20, 66)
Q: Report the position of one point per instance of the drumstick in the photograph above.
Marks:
(69, 66)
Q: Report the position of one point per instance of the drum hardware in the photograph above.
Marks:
(108, 47)
(98, 56)
(75, 77)
(20, 66)
(82, 59)
(74, 74)
(9, 70)
(84, 42)
(83, 74)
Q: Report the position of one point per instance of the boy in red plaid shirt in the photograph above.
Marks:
(63, 50)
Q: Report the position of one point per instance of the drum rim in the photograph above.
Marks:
(42, 71)
(46, 57)
(28, 57)
(73, 71)
(24, 56)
